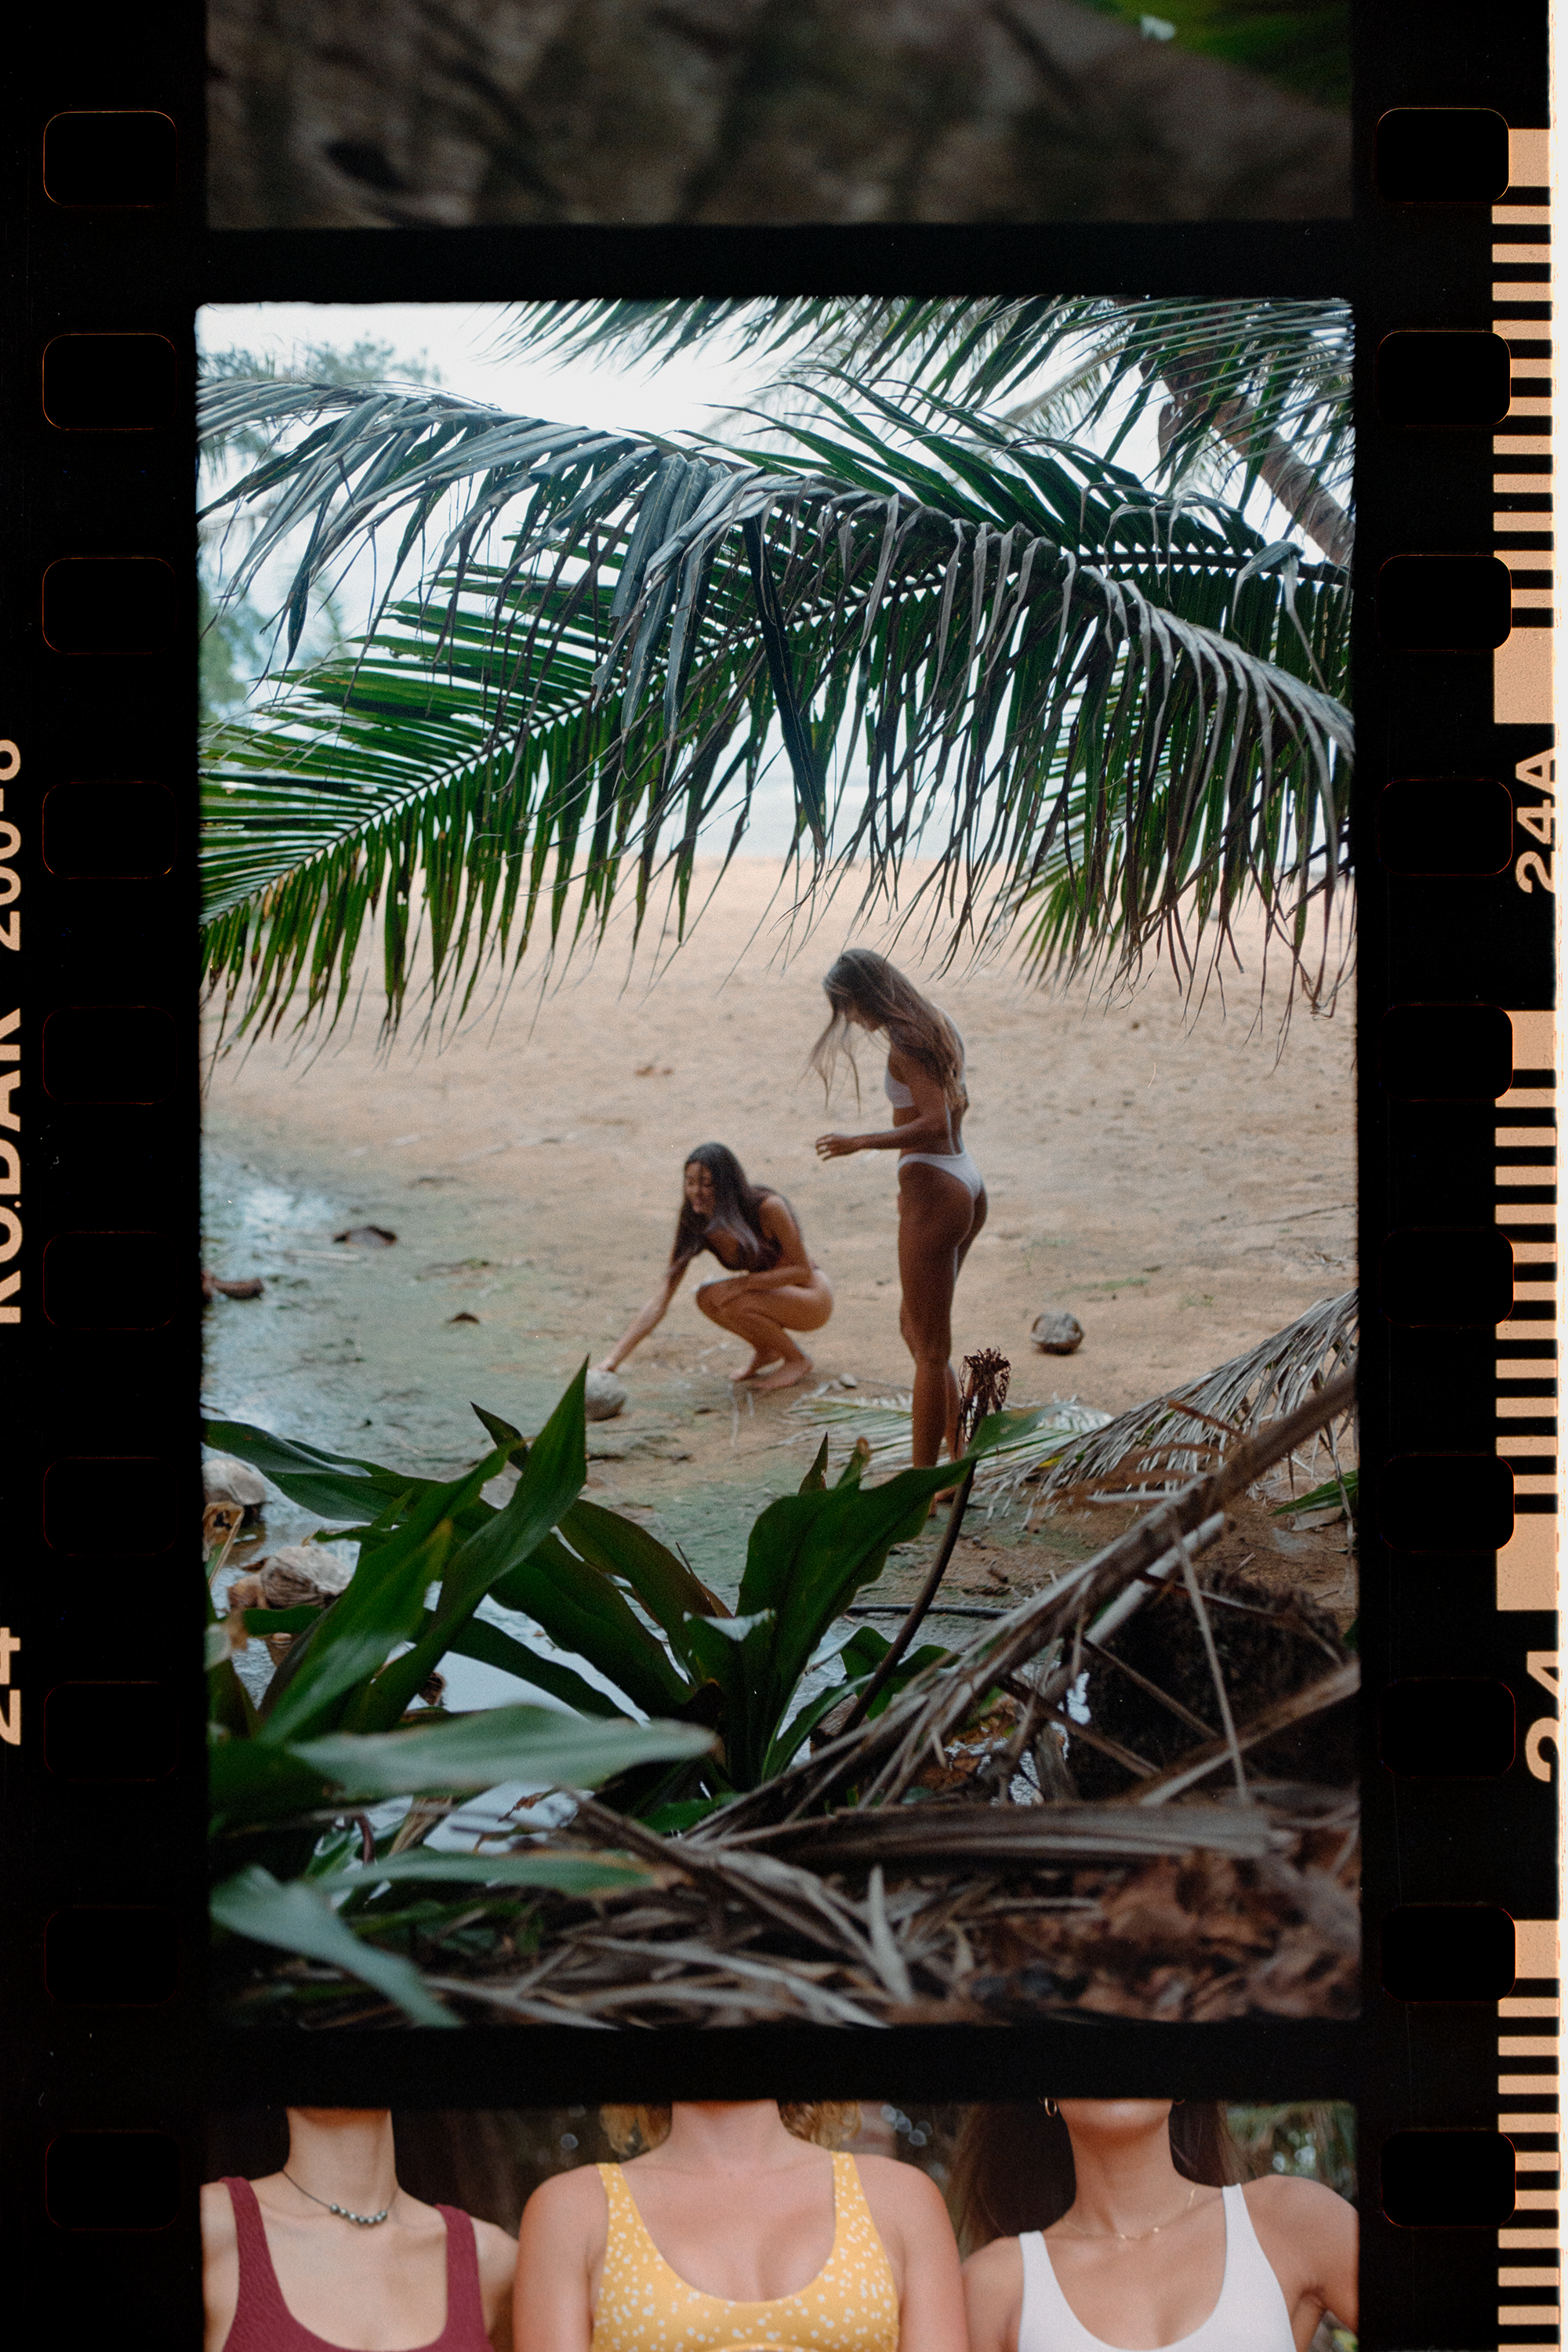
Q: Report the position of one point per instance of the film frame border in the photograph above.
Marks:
(137, 2083)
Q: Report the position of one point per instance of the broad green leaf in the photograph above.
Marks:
(808, 1555)
(531, 1744)
(263, 1622)
(815, 1479)
(583, 1610)
(254, 1905)
(480, 1639)
(249, 1782)
(382, 1606)
(335, 1486)
(551, 1477)
(500, 1432)
(662, 1581)
(353, 1637)
(862, 1657)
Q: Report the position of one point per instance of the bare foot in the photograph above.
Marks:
(791, 1369)
(758, 1364)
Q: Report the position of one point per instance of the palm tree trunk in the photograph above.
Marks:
(1295, 484)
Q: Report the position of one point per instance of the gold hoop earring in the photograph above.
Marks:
(1051, 2108)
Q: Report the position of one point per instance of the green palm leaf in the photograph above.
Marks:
(1266, 382)
(1114, 709)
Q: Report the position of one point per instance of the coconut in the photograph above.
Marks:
(605, 1396)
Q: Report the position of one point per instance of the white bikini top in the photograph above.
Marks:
(901, 1097)
(1251, 2316)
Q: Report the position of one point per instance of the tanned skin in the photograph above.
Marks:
(738, 2208)
(764, 1309)
(938, 1223)
(1140, 2254)
(368, 2290)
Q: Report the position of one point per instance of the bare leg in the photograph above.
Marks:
(937, 1221)
(764, 1319)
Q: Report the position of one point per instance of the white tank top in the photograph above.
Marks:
(1251, 2316)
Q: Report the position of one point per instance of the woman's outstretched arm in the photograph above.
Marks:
(645, 1319)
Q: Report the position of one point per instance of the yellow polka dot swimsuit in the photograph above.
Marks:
(852, 2306)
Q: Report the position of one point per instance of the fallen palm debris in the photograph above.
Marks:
(938, 1861)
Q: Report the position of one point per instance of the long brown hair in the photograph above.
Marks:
(826, 2122)
(737, 1215)
(865, 982)
(1012, 2170)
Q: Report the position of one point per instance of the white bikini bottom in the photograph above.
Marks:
(951, 1163)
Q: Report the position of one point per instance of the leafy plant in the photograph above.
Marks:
(333, 1733)
(719, 1683)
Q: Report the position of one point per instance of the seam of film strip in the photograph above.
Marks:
(1526, 1195)
(1529, 2248)
(1521, 445)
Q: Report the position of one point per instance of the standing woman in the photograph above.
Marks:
(737, 2230)
(1117, 2225)
(942, 1197)
(770, 1289)
(330, 2255)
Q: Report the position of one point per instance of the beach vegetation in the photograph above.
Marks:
(687, 1701)
(1097, 700)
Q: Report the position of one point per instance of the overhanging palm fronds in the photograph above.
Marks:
(1267, 381)
(1113, 710)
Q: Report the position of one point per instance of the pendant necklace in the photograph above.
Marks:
(359, 2221)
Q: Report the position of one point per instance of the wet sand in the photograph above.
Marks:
(1161, 1174)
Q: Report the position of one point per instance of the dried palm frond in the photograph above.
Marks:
(1156, 1447)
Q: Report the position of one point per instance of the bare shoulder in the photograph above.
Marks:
(996, 2267)
(1285, 2201)
(902, 2190)
(217, 2217)
(496, 2247)
(568, 2201)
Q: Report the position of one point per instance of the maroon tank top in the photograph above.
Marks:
(264, 2323)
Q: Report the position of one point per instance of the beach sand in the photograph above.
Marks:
(1167, 1174)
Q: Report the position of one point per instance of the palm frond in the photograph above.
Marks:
(885, 1424)
(1154, 1448)
(1268, 381)
(1114, 711)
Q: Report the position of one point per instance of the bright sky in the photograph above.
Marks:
(665, 395)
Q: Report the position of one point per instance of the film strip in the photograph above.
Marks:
(90, 2073)
(1521, 449)
(1527, 1568)
(1530, 2244)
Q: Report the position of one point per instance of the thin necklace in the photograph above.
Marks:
(1136, 2237)
(360, 2221)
